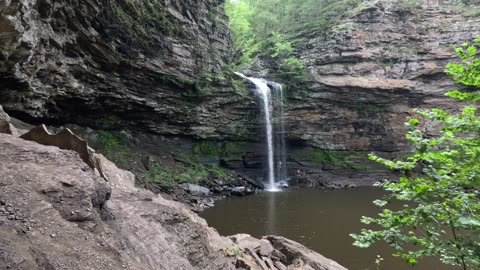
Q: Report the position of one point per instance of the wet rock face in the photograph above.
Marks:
(157, 65)
(374, 70)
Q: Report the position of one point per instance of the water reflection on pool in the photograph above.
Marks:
(321, 220)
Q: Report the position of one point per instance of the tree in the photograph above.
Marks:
(245, 46)
(441, 214)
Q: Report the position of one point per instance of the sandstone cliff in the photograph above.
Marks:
(378, 66)
(373, 69)
(157, 65)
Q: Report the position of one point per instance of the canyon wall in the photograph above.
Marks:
(377, 66)
(156, 65)
(362, 80)
(161, 67)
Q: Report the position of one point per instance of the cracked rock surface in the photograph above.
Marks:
(56, 213)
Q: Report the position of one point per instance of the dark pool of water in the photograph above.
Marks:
(321, 220)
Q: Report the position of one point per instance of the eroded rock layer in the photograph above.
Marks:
(155, 64)
(374, 70)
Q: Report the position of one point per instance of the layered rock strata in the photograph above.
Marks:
(375, 69)
(155, 65)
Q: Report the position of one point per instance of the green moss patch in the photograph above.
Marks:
(142, 18)
(336, 159)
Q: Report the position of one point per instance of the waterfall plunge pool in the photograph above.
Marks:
(321, 220)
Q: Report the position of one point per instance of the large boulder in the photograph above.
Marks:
(301, 256)
(196, 189)
(245, 242)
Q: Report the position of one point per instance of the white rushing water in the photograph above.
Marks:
(280, 148)
(274, 129)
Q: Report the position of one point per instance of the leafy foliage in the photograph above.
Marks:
(218, 172)
(186, 167)
(207, 148)
(467, 73)
(169, 176)
(224, 151)
(245, 45)
(110, 144)
(257, 31)
(193, 173)
(292, 68)
(279, 47)
(441, 214)
(288, 17)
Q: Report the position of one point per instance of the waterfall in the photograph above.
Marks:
(271, 95)
(280, 148)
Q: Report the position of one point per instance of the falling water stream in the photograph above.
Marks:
(279, 133)
(271, 95)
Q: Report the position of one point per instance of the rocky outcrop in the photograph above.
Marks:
(154, 65)
(293, 250)
(5, 125)
(57, 214)
(377, 67)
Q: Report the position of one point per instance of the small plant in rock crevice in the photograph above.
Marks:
(233, 252)
(111, 146)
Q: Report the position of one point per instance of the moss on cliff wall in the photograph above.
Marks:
(142, 17)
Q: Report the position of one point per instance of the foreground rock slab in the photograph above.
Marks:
(303, 256)
(276, 252)
(56, 213)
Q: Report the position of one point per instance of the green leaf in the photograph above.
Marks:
(380, 203)
(472, 50)
(413, 122)
(469, 221)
